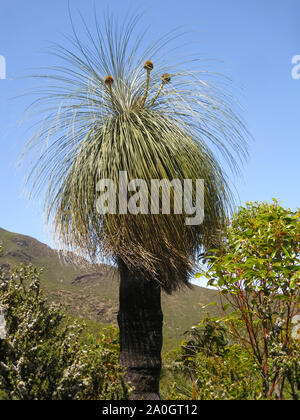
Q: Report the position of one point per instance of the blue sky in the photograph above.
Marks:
(255, 39)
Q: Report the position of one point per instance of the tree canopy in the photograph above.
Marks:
(109, 109)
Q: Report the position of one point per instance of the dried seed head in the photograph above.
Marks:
(148, 65)
(109, 80)
(166, 78)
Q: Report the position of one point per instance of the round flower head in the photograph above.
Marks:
(166, 78)
(109, 80)
(148, 65)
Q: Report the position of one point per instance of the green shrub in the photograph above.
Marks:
(43, 357)
(207, 367)
(257, 270)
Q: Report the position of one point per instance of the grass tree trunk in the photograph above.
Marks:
(140, 321)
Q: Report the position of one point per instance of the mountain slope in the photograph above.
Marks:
(91, 291)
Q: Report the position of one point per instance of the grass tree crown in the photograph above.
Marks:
(111, 107)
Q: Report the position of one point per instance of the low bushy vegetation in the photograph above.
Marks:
(212, 364)
(257, 271)
(253, 351)
(43, 356)
(208, 367)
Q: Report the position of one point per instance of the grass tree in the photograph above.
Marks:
(110, 107)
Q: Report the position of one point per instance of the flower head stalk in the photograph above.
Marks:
(109, 81)
(149, 67)
(165, 78)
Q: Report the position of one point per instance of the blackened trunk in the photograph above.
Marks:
(140, 321)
